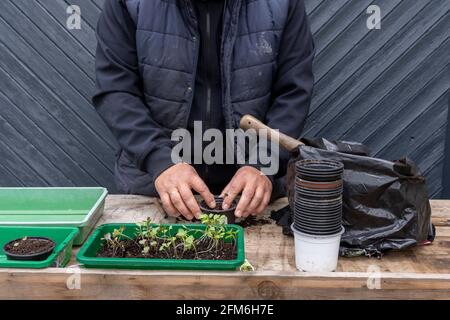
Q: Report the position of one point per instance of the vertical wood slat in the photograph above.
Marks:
(446, 168)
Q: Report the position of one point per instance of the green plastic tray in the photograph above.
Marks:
(88, 252)
(59, 258)
(63, 207)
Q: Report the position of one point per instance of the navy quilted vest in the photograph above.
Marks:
(168, 44)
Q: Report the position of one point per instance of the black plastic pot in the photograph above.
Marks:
(319, 223)
(317, 211)
(319, 202)
(229, 213)
(319, 227)
(39, 256)
(319, 170)
(316, 232)
(319, 167)
(318, 194)
(313, 207)
(318, 197)
(320, 215)
(315, 185)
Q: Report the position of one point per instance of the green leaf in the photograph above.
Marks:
(107, 236)
(181, 233)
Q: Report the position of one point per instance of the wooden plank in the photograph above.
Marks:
(434, 176)
(57, 41)
(349, 83)
(311, 5)
(411, 104)
(418, 273)
(357, 36)
(44, 47)
(325, 12)
(441, 212)
(428, 154)
(13, 180)
(403, 60)
(59, 148)
(99, 3)
(84, 36)
(20, 146)
(446, 176)
(418, 131)
(89, 11)
(56, 85)
(108, 284)
(65, 115)
(338, 23)
(26, 174)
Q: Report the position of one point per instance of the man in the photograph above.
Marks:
(164, 64)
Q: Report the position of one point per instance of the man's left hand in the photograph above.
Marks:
(255, 189)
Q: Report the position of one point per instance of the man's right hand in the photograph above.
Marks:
(175, 185)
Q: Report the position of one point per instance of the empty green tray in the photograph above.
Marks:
(59, 258)
(64, 207)
(88, 252)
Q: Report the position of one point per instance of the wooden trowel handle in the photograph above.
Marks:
(287, 142)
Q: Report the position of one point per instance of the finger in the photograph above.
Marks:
(265, 202)
(227, 189)
(168, 206)
(235, 188)
(246, 198)
(256, 201)
(189, 200)
(201, 187)
(177, 201)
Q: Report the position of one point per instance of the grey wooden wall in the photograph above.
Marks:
(387, 88)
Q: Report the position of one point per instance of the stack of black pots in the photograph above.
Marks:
(318, 197)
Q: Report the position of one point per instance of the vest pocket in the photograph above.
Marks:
(166, 113)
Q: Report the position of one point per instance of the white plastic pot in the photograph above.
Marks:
(316, 253)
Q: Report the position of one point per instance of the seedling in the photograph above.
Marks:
(247, 266)
(114, 241)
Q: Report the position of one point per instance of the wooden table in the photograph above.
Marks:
(418, 273)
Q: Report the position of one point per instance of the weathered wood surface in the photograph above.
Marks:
(418, 273)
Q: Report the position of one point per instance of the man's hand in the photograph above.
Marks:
(175, 186)
(256, 190)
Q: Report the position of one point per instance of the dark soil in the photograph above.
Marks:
(251, 221)
(29, 246)
(132, 249)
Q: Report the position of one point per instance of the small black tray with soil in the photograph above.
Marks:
(29, 248)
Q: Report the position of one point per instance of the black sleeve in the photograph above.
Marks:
(119, 98)
(293, 85)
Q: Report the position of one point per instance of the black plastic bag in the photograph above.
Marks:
(386, 203)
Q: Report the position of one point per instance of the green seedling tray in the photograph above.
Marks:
(62, 236)
(62, 207)
(87, 254)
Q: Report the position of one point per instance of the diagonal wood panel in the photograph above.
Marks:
(388, 88)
